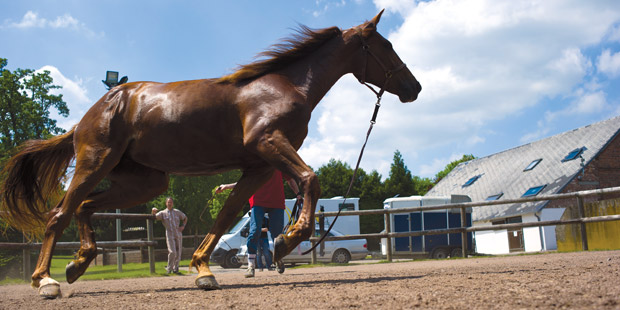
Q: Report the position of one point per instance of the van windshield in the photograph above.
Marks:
(239, 225)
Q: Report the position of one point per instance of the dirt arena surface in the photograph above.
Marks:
(584, 280)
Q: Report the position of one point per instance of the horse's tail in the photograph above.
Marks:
(31, 177)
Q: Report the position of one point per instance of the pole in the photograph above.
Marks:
(584, 234)
(149, 237)
(464, 244)
(26, 260)
(119, 250)
(388, 229)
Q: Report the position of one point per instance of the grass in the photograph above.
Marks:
(130, 270)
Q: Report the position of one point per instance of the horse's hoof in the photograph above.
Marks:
(207, 283)
(72, 272)
(49, 288)
(279, 248)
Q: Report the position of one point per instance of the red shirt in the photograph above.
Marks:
(271, 194)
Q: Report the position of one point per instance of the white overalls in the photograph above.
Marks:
(174, 237)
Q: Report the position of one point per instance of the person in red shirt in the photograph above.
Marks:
(267, 199)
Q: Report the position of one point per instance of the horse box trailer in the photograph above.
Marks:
(225, 252)
(433, 246)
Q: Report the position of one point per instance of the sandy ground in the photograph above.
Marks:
(583, 280)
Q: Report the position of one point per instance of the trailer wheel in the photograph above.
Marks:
(231, 260)
(341, 256)
(456, 252)
(440, 253)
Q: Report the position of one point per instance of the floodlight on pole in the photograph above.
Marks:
(111, 79)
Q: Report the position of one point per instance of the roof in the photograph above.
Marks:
(503, 173)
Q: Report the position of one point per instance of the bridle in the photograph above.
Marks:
(388, 75)
(388, 72)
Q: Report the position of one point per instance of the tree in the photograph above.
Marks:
(400, 181)
(335, 177)
(422, 185)
(441, 174)
(25, 103)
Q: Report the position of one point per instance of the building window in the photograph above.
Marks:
(472, 180)
(346, 206)
(574, 154)
(533, 191)
(494, 197)
(533, 164)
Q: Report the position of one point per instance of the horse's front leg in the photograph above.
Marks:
(250, 181)
(277, 150)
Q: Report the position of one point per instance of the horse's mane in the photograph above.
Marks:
(299, 45)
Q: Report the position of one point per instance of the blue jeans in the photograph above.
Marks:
(263, 251)
(276, 224)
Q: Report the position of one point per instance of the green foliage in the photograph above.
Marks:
(191, 195)
(441, 174)
(217, 202)
(25, 103)
(400, 181)
(335, 178)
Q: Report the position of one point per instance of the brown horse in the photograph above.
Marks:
(137, 134)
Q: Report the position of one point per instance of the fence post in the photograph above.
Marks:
(149, 237)
(313, 256)
(584, 234)
(388, 230)
(26, 260)
(464, 244)
(119, 250)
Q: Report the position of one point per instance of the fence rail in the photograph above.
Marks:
(463, 230)
(388, 234)
(150, 243)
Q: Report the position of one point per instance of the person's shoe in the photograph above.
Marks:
(249, 273)
(177, 272)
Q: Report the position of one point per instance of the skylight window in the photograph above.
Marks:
(533, 164)
(574, 154)
(472, 180)
(533, 191)
(494, 197)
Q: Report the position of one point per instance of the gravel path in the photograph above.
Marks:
(582, 280)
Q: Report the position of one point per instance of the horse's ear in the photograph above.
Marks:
(371, 25)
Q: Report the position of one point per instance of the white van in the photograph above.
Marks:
(225, 252)
(335, 251)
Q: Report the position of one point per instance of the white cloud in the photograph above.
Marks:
(609, 63)
(33, 20)
(478, 61)
(74, 94)
(438, 164)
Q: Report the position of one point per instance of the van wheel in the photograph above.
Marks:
(341, 256)
(440, 253)
(456, 252)
(231, 260)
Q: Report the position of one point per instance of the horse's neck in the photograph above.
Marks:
(316, 74)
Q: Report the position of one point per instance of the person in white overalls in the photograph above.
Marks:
(171, 218)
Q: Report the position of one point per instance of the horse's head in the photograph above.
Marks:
(380, 65)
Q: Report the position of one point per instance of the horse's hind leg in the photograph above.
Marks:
(251, 181)
(131, 184)
(92, 165)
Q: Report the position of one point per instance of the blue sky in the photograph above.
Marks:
(495, 74)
